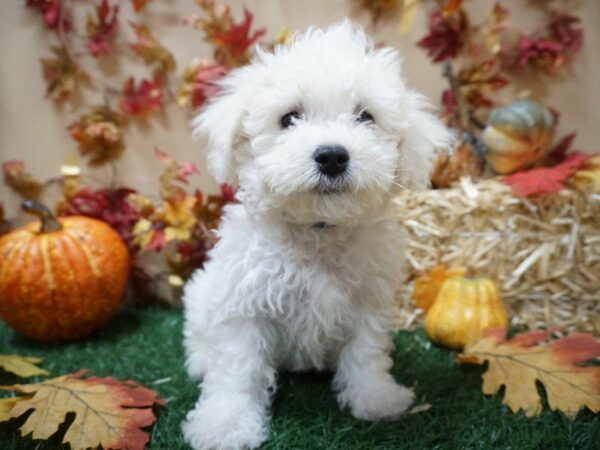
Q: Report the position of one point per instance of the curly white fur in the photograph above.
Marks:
(301, 278)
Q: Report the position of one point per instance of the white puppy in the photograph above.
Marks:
(317, 136)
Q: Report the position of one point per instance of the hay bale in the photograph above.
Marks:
(543, 252)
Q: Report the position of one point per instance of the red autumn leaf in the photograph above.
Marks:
(238, 39)
(559, 152)
(545, 180)
(544, 50)
(107, 413)
(143, 99)
(200, 83)
(108, 205)
(447, 35)
(520, 363)
(157, 241)
(562, 29)
(52, 11)
(228, 193)
(138, 5)
(101, 30)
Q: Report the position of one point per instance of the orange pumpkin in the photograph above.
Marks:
(62, 280)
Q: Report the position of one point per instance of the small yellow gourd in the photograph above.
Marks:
(463, 308)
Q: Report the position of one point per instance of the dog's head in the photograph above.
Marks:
(323, 130)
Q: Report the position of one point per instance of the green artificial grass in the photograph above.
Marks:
(145, 345)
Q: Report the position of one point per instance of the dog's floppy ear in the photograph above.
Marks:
(423, 138)
(220, 120)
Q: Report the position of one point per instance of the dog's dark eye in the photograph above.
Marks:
(364, 116)
(289, 119)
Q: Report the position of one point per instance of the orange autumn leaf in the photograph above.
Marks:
(20, 180)
(519, 363)
(427, 286)
(108, 413)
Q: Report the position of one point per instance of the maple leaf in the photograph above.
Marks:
(101, 30)
(231, 40)
(237, 39)
(99, 135)
(144, 99)
(427, 287)
(559, 151)
(447, 35)
(108, 413)
(138, 5)
(151, 51)
(22, 366)
(21, 181)
(175, 173)
(562, 28)
(111, 206)
(200, 83)
(52, 11)
(545, 180)
(519, 363)
(62, 74)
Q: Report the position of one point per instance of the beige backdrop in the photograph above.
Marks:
(33, 129)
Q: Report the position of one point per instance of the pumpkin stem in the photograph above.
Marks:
(470, 272)
(49, 221)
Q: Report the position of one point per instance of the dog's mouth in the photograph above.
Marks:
(336, 186)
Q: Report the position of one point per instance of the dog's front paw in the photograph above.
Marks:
(214, 428)
(386, 400)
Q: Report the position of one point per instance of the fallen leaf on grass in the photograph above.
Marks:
(420, 408)
(519, 363)
(108, 413)
(23, 366)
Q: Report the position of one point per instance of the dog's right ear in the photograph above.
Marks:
(220, 120)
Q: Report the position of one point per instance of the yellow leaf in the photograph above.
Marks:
(427, 287)
(590, 175)
(518, 364)
(108, 413)
(6, 405)
(23, 366)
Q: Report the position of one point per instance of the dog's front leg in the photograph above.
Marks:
(362, 379)
(233, 408)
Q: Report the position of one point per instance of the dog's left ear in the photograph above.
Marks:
(221, 121)
(423, 138)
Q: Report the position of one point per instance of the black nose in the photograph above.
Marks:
(331, 159)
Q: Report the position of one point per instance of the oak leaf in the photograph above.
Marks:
(23, 366)
(539, 356)
(427, 286)
(108, 413)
